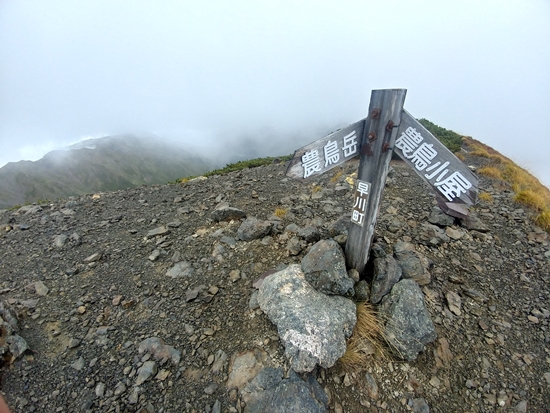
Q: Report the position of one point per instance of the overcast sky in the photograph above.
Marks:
(207, 72)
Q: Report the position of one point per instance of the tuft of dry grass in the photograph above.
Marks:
(316, 188)
(280, 212)
(460, 156)
(530, 198)
(367, 340)
(337, 175)
(491, 172)
(543, 220)
(485, 197)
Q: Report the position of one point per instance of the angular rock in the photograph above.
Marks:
(180, 269)
(219, 362)
(362, 291)
(432, 235)
(253, 228)
(440, 218)
(386, 274)
(295, 246)
(309, 234)
(60, 240)
(145, 372)
(312, 326)
(160, 351)
(324, 267)
(414, 264)
(372, 387)
(163, 230)
(93, 258)
(269, 393)
(453, 233)
(473, 222)
(38, 288)
(224, 212)
(454, 302)
(408, 325)
(17, 345)
(340, 226)
(78, 364)
(243, 367)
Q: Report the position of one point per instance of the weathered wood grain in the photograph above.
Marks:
(373, 168)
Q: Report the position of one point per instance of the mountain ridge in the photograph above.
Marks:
(116, 162)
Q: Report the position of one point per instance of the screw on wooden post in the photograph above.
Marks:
(385, 112)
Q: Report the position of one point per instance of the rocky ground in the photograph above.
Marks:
(139, 300)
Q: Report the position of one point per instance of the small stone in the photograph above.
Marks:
(471, 384)
(454, 302)
(163, 230)
(180, 269)
(521, 407)
(73, 343)
(213, 290)
(120, 388)
(435, 382)
(533, 319)
(128, 303)
(154, 255)
(78, 364)
(134, 396)
(546, 377)
(145, 372)
(93, 258)
(116, 300)
(372, 387)
(211, 388)
(420, 406)
(100, 389)
(162, 375)
(234, 275)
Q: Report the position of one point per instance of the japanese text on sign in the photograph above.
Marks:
(360, 202)
(424, 158)
(311, 161)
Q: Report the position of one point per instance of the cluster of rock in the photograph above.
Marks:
(12, 345)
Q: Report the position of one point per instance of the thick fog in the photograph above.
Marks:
(270, 75)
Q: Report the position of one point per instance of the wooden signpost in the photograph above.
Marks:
(388, 128)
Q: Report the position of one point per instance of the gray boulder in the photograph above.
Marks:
(440, 218)
(253, 228)
(269, 393)
(414, 264)
(408, 325)
(312, 326)
(224, 212)
(386, 274)
(325, 269)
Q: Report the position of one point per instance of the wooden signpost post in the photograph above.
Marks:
(388, 128)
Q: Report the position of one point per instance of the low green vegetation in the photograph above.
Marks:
(452, 140)
(237, 166)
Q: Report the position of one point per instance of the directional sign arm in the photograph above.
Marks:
(452, 181)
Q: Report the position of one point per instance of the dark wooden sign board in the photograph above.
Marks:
(388, 128)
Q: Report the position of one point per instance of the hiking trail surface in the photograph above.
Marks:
(140, 300)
